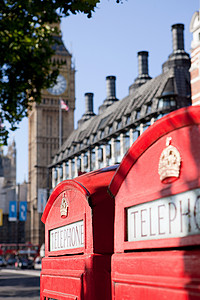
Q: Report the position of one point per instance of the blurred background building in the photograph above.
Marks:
(12, 229)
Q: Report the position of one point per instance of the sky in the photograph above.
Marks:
(107, 44)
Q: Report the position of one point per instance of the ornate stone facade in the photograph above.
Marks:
(45, 134)
(103, 139)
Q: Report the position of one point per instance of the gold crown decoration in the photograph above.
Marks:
(64, 207)
(169, 163)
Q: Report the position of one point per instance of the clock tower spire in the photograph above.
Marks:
(44, 137)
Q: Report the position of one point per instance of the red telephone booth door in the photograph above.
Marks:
(79, 239)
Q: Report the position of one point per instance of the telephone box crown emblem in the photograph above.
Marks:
(169, 163)
(64, 207)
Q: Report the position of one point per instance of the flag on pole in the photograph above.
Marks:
(63, 105)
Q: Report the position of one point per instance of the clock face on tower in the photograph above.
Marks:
(59, 87)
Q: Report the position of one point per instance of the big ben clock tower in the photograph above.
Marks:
(45, 139)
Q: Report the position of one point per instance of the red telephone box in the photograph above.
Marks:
(79, 239)
(157, 214)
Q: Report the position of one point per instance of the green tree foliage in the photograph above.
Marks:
(27, 35)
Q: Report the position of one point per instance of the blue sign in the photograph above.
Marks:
(12, 211)
(22, 210)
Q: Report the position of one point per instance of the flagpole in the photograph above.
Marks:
(60, 124)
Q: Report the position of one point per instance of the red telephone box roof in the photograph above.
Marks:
(177, 119)
(88, 184)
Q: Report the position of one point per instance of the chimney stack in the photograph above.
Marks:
(143, 71)
(178, 58)
(143, 64)
(110, 87)
(178, 37)
(111, 93)
(88, 109)
(89, 102)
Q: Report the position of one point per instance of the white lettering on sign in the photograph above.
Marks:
(170, 217)
(70, 236)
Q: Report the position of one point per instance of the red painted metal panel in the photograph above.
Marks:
(156, 275)
(79, 245)
(83, 276)
(154, 263)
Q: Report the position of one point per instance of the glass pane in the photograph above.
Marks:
(160, 103)
(109, 129)
(137, 114)
(126, 142)
(100, 154)
(119, 124)
(173, 102)
(78, 162)
(93, 160)
(108, 151)
(61, 172)
(55, 174)
(67, 170)
(135, 135)
(166, 103)
(85, 161)
(108, 154)
(73, 168)
(128, 119)
(149, 109)
(101, 134)
(117, 150)
(78, 165)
